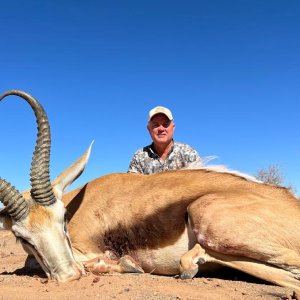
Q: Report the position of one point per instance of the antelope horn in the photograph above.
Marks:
(13, 200)
(41, 191)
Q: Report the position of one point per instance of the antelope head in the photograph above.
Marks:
(39, 222)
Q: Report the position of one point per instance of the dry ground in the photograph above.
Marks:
(17, 282)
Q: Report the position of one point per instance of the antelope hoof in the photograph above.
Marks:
(188, 274)
(129, 265)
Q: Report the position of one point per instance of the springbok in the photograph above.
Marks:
(169, 223)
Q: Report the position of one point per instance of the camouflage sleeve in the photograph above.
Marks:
(191, 155)
(134, 166)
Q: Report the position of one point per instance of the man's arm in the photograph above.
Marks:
(192, 156)
(134, 166)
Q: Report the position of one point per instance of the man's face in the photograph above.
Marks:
(161, 129)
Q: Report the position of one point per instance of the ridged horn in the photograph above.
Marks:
(41, 191)
(13, 200)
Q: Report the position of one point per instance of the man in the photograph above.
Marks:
(164, 153)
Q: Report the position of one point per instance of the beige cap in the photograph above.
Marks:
(160, 110)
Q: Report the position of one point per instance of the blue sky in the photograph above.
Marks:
(228, 70)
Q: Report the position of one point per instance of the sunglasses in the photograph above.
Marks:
(156, 125)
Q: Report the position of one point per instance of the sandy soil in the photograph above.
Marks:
(17, 282)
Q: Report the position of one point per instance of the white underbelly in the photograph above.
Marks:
(166, 260)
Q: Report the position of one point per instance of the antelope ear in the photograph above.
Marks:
(69, 175)
(5, 219)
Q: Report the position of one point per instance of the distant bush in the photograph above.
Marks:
(272, 175)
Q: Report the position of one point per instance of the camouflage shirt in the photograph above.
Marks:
(146, 161)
